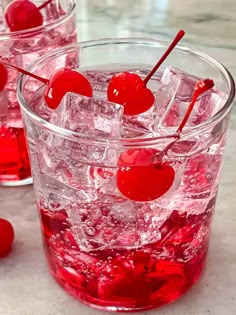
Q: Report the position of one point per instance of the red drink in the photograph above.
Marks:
(145, 277)
(14, 160)
(108, 241)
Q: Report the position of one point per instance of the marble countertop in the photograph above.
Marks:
(26, 288)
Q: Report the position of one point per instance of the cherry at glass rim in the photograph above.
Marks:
(42, 28)
(62, 132)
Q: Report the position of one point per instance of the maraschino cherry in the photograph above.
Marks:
(146, 174)
(6, 237)
(24, 14)
(3, 77)
(129, 90)
(61, 82)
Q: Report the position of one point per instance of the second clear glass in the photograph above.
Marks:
(20, 48)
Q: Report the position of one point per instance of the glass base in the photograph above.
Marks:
(96, 304)
(12, 183)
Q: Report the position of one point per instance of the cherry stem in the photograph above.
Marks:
(45, 81)
(200, 88)
(44, 4)
(177, 38)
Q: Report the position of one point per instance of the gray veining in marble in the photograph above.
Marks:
(25, 285)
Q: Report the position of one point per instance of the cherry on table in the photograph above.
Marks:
(3, 76)
(6, 237)
(129, 90)
(62, 81)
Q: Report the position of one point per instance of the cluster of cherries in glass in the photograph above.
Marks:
(143, 174)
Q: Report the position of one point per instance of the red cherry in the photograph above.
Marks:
(139, 178)
(61, 82)
(6, 237)
(23, 14)
(64, 81)
(142, 174)
(129, 90)
(3, 77)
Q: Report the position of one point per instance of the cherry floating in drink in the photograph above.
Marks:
(6, 237)
(24, 14)
(64, 81)
(129, 90)
(61, 82)
(136, 167)
(139, 166)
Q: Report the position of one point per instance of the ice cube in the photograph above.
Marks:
(89, 116)
(110, 187)
(37, 103)
(173, 97)
(63, 170)
(60, 115)
(104, 224)
(138, 126)
(46, 187)
(102, 176)
(183, 81)
(202, 175)
(149, 216)
(87, 222)
(123, 212)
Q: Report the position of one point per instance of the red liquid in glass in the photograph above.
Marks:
(138, 278)
(14, 159)
(112, 253)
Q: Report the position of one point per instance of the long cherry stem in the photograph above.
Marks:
(177, 38)
(45, 81)
(44, 4)
(200, 88)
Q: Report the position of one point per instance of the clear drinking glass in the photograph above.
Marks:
(21, 48)
(108, 251)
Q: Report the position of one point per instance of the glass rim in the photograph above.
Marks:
(41, 28)
(125, 141)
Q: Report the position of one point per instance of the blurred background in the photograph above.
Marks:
(207, 22)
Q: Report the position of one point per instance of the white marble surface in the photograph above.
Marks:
(25, 285)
